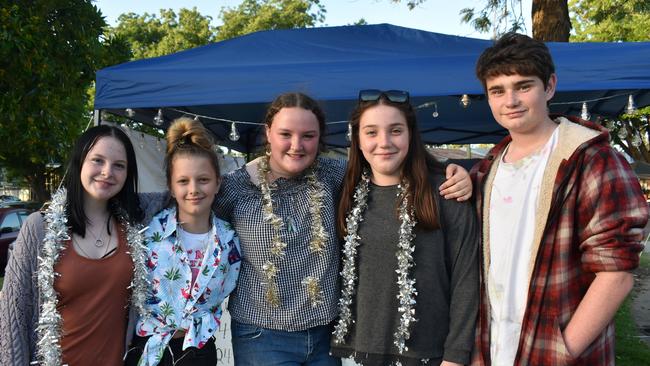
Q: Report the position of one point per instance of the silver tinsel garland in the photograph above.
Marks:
(407, 291)
(49, 320)
(56, 234)
(277, 249)
(406, 285)
(349, 271)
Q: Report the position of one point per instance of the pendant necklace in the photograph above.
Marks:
(99, 242)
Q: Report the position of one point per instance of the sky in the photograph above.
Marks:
(439, 16)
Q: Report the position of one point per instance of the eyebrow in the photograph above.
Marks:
(292, 131)
(394, 124)
(98, 155)
(517, 84)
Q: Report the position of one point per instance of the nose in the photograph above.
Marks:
(193, 187)
(107, 171)
(296, 143)
(383, 138)
(512, 99)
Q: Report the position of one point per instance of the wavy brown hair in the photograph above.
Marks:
(416, 168)
(515, 53)
(186, 136)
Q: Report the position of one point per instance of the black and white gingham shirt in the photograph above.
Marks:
(240, 202)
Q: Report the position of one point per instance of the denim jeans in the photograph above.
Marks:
(255, 346)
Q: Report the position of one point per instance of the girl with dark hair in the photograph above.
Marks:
(283, 206)
(410, 269)
(192, 258)
(78, 268)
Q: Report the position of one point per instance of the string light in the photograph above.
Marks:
(465, 101)
(585, 112)
(234, 134)
(631, 106)
(158, 119)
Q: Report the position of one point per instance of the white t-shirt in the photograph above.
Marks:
(194, 246)
(513, 204)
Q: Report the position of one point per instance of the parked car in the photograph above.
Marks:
(11, 220)
(29, 205)
(8, 198)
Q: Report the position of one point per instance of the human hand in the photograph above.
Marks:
(458, 184)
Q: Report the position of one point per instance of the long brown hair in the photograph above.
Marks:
(417, 164)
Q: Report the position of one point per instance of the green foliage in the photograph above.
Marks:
(631, 132)
(152, 36)
(630, 349)
(256, 15)
(49, 51)
(497, 16)
(610, 20)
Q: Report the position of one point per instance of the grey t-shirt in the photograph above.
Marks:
(446, 273)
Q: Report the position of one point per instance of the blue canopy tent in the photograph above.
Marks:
(234, 80)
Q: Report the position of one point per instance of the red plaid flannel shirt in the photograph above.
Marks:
(596, 201)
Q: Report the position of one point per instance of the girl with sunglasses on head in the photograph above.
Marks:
(193, 258)
(410, 269)
(283, 206)
(78, 268)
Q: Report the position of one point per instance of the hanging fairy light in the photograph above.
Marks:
(465, 101)
(130, 113)
(348, 135)
(158, 119)
(630, 108)
(234, 134)
(435, 113)
(585, 112)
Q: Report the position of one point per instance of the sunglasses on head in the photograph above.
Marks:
(373, 95)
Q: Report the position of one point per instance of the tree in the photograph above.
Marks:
(255, 15)
(610, 20)
(49, 51)
(550, 18)
(150, 36)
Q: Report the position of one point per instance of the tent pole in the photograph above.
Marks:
(97, 117)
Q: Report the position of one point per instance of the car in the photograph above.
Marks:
(8, 198)
(11, 220)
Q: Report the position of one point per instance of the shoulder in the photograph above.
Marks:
(331, 170)
(225, 230)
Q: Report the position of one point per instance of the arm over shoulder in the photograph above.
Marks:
(19, 296)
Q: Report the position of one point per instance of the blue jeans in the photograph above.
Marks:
(255, 346)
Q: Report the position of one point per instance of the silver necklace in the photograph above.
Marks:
(99, 242)
(85, 254)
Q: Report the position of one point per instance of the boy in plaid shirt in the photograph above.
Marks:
(563, 216)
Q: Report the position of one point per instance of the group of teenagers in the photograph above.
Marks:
(380, 260)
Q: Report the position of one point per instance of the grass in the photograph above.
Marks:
(631, 350)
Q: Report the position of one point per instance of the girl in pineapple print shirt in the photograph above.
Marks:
(193, 258)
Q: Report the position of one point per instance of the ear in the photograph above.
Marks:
(267, 131)
(550, 87)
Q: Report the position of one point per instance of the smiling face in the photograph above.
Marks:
(193, 184)
(384, 142)
(293, 139)
(518, 102)
(103, 171)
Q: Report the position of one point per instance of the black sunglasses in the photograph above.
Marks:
(373, 95)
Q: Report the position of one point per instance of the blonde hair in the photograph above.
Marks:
(186, 136)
